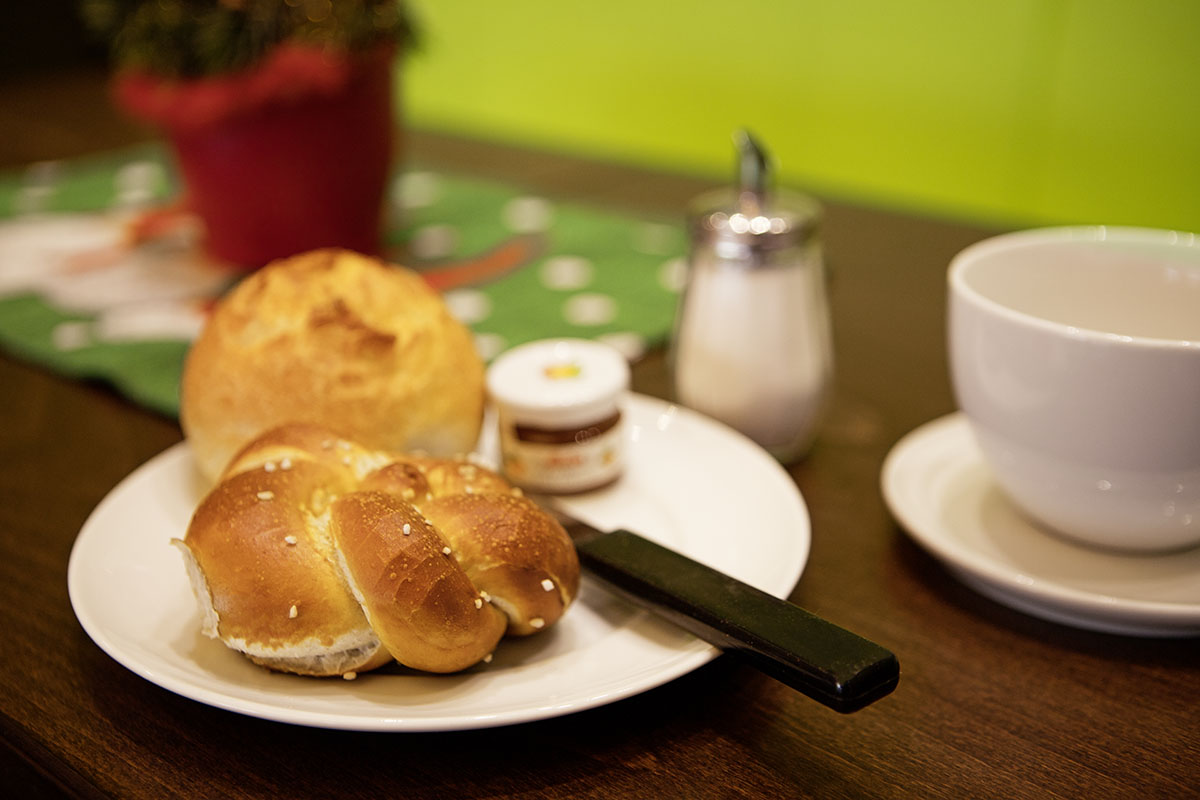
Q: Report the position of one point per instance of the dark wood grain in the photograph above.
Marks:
(991, 703)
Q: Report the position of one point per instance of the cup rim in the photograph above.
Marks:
(1076, 233)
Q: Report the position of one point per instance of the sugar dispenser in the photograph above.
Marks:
(752, 344)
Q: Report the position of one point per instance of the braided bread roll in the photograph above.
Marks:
(317, 556)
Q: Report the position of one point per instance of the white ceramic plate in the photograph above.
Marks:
(938, 487)
(690, 483)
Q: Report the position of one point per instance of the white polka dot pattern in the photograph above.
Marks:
(590, 309)
(416, 190)
(627, 343)
(469, 306)
(569, 273)
(672, 275)
(527, 214)
(490, 345)
(434, 242)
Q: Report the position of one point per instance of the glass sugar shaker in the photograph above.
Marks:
(752, 344)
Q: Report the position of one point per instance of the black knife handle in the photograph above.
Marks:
(829, 664)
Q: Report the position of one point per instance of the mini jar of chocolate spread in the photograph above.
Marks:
(558, 405)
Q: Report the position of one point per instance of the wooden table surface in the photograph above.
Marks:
(991, 702)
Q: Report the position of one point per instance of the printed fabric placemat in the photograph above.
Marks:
(82, 295)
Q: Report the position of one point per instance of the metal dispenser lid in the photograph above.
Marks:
(752, 216)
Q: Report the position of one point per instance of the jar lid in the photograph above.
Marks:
(558, 382)
(752, 214)
(785, 220)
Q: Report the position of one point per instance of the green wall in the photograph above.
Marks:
(1017, 112)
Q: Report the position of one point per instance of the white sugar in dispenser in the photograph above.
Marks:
(752, 345)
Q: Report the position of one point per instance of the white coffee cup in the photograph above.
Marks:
(1075, 355)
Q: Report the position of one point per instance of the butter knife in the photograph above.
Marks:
(812, 655)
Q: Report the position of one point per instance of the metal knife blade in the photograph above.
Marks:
(812, 655)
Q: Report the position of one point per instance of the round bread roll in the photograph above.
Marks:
(318, 556)
(332, 338)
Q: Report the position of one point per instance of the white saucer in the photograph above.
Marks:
(937, 486)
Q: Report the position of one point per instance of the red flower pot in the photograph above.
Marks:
(291, 156)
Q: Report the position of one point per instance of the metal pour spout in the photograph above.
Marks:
(753, 173)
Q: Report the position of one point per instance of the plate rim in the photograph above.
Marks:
(1152, 617)
(681, 661)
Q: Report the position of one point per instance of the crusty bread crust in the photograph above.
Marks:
(510, 548)
(418, 599)
(316, 555)
(334, 338)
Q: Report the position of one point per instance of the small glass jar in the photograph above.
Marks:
(558, 405)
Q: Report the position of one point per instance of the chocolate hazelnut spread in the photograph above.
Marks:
(558, 409)
(531, 433)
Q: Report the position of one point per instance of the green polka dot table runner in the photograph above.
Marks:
(78, 297)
